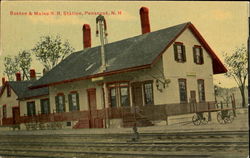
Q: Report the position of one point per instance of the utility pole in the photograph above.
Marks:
(101, 28)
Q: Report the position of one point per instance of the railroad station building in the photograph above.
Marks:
(147, 77)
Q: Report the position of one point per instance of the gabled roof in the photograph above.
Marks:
(22, 91)
(130, 54)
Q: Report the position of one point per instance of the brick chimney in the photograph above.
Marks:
(86, 36)
(32, 74)
(3, 81)
(145, 25)
(18, 76)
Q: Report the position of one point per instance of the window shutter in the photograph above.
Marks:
(77, 101)
(42, 106)
(28, 109)
(201, 55)
(183, 53)
(34, 108)
(57, 103)
(175, 53)
(48, 106)
(70, 102)
(194, 55)
(63, 103)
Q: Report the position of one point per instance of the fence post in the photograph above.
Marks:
(233, 105)
(166, 115)
(209, 113)
(221, 105)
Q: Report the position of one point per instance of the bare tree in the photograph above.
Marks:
(237, 69)
(51, 50)
(24, 62)
(20, 63)
(10, 67)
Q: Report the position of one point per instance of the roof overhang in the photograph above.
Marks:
(94, 76)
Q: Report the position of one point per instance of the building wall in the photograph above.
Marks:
(165, 68)
(8, 101)
(23, 105)
(188, 70)
(79, 86)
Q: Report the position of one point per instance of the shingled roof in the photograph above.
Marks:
(23, 92)
(126, 55)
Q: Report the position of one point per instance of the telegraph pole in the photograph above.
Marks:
(101, 28)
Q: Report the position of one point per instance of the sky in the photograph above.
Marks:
(224, 25)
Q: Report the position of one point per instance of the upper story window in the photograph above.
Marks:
(73, 101)
(148, 93)
(201, 90)
(4, 111)
(179, 52)
(119, 94)
(183, 90)
(45, 106)
(60, 103)
(198, 55)
(8, 90)
(31, 108)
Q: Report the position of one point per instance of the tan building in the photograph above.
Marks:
(15, 96)
(165, 72)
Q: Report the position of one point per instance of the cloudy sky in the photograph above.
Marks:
(224, 25)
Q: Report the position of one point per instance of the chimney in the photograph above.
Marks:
(18, 76)
(32, 74)
(86, 36)
(3, 81)
(145, 25)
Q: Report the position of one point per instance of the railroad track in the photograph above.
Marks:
(126, 136)
(173, 145)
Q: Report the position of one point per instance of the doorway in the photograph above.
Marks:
(92, 106)
(193, 105)
(16, 115)
(137, 94)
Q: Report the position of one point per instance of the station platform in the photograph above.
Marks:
(180, 123)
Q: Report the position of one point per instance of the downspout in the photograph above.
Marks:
(104, 105)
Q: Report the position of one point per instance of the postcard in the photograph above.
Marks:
(124, 79)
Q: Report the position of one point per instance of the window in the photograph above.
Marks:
(113, 102)
(8, 90)
(183, 90)
(31, 108)
(148, 93)
(45, 106)
(4, 111)
(198, 55)
(60, 103)
(119, 94)
(74, 101)
(201, 90)
(124, 91)
(179, 52)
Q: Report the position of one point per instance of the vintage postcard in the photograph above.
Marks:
(124, 79)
